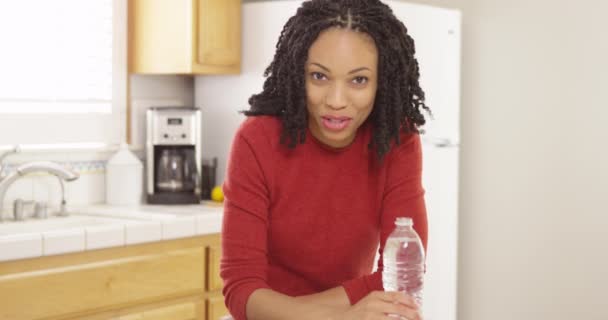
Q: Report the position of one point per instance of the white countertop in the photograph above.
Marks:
(103, 226)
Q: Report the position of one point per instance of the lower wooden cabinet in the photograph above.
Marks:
(190, 310)
(161, 280)
(216, 309)
(214, 282)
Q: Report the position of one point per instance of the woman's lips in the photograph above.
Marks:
(335, 123)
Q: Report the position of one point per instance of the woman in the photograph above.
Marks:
(328, 157)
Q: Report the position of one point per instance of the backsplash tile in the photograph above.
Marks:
(47, 188)
(22, 189)
(89, 188)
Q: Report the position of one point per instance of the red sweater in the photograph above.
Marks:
(300, 221)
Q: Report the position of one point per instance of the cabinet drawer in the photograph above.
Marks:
(214, 281)
(216, 309)
(101, 285)
(182, 311)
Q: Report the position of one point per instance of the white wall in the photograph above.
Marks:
(534, 167)
(222, 97)
(154, 91)
(534, 161)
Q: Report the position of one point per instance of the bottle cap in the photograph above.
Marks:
(404, 222)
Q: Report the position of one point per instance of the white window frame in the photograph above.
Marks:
(35, 129)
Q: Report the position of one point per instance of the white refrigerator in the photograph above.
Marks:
(436, 32)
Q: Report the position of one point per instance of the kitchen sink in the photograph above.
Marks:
(58, 223)
(133, 213)
(151, 212)
(179, 210)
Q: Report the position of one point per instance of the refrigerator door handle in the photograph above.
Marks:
(439, 142)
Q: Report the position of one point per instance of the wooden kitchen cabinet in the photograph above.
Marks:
(160, 280)
(216, 308)
(184, 310)
(214, 282)
(185, 36)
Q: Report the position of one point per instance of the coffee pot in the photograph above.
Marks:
(173, 155)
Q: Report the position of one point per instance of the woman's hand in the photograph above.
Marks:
(379, 304)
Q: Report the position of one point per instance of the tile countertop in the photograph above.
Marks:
(103, 226)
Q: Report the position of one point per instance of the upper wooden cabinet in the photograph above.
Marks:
(185, 36)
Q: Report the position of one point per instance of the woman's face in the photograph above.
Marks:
(341, 82)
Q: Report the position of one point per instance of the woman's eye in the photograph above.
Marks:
(317, 76)
(360, 80)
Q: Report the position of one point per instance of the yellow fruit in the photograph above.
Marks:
(217, 194)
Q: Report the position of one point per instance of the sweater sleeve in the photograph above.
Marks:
(403, 197)
(244, 262)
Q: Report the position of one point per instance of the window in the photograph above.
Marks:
(63, 71)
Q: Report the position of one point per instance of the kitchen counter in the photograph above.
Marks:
(103, 226)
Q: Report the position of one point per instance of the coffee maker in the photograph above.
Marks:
(173, 155)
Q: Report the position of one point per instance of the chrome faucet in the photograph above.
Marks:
(15, 149)
(64, 174)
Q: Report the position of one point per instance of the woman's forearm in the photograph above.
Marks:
(335, 297)
(266, 304)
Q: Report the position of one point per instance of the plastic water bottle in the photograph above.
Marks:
(403, 259)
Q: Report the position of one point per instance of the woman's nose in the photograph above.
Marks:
(336, 97)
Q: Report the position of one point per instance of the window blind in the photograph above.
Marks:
(56, 56)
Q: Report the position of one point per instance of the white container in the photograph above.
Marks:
(124, 178)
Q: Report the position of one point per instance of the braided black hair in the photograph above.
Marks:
(399, 98)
